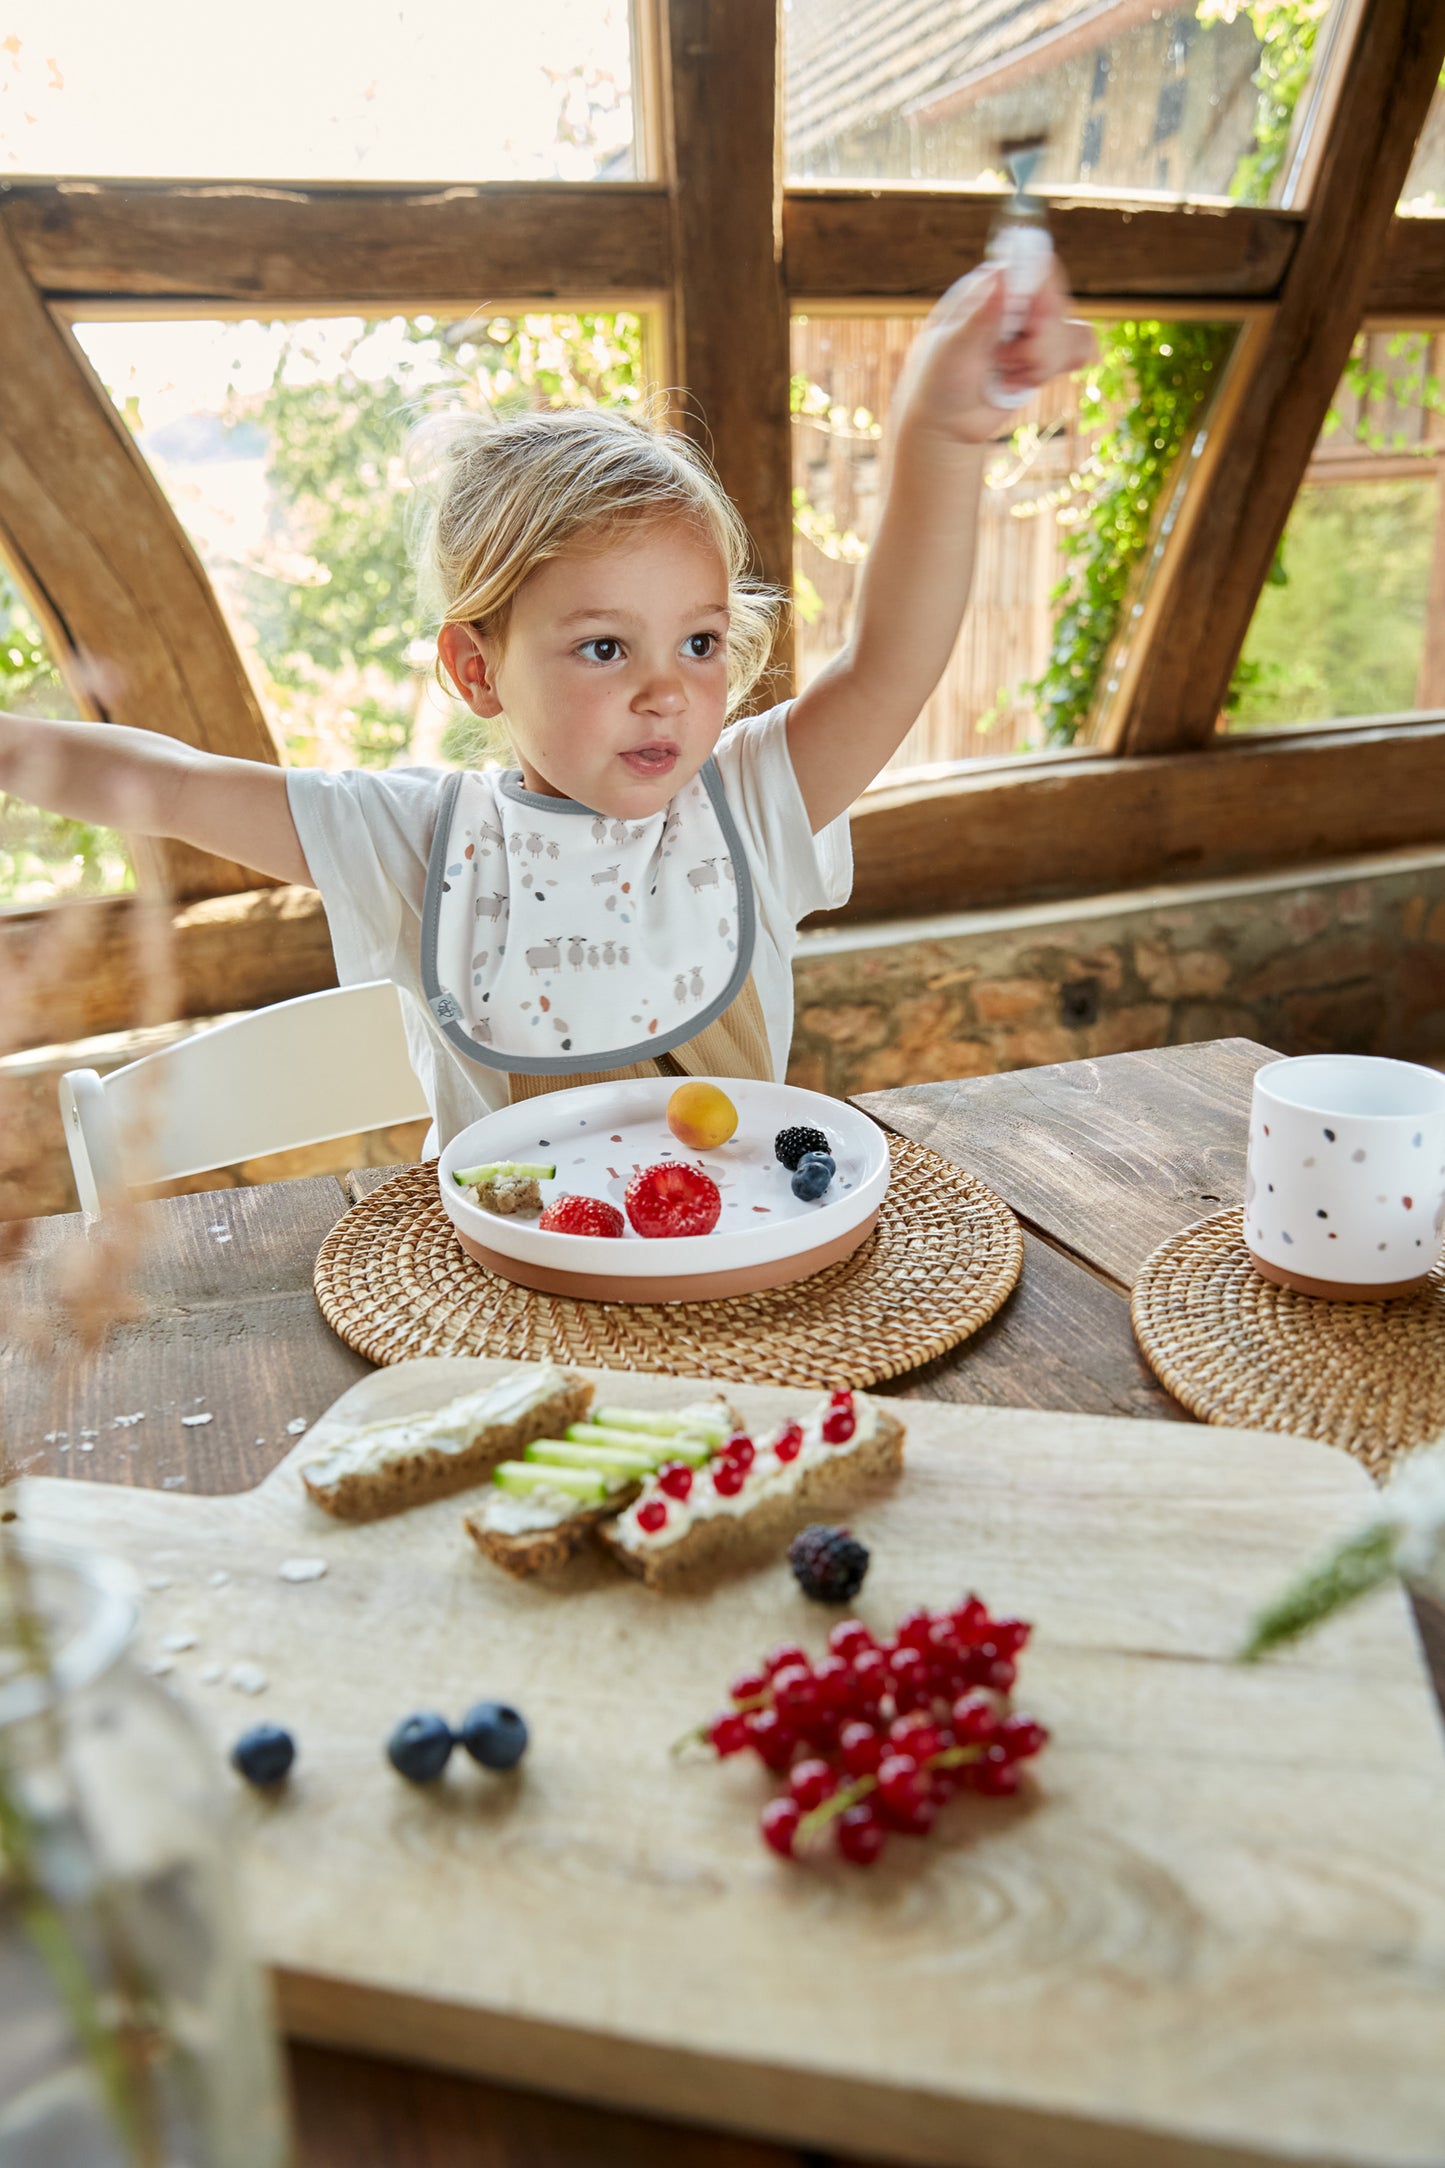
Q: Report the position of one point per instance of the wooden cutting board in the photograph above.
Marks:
(1214, 1933)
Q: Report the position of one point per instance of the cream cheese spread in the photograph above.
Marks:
(450, 1429)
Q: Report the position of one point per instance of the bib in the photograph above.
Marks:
(556, 940)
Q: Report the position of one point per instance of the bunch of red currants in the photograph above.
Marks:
(879, 1734)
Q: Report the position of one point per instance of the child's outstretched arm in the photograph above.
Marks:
(856, 713)
(149, 785)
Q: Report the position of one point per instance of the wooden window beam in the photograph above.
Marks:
(1195, 613)
(92, 538)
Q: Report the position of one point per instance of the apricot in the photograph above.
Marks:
(701, 1117)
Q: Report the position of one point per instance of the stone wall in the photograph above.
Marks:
(1346, 959)
(1349, 958)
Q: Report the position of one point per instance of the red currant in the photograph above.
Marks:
(861, 1747)
(789, 1442)
(781, 1658)
(914, 1821)
(972, 1620)
(675, 1479)
(729, 1734)
(1001, 1674)
(779, 1824)
(913, 1631)
(835, 1682)
(915, 1734)
(901, 1783)
(996, 1780)
(772, 1740)
(728, 1478)
(843, 1398)
(909, 1677)
(975, 1720)
(1020, 1736)
(811, 1783)
(839, 1425)
(1010, 1635)
(849, 1638)
(861, 1835)
(870, 1678)
(738, 1447)
(796, 1693)
(749, 1686)
(652, 1515)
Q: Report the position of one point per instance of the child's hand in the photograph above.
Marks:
(944, 389)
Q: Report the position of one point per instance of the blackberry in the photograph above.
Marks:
(829, 1563)
(790, 1145)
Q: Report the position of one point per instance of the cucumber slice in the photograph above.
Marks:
(611, 1460)
(659, 1451)
(502, 1170)
(661, 1426)
(587, 1485)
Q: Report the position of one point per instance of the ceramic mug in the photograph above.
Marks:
(1345, 1193)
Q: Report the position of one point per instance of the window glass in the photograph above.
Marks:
(42, 857)
(1203, 99)
(1423, 195)
(335, 90)
(280, 447)
(1069, 507)
(1352, 623)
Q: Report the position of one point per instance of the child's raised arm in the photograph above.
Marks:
(856, 713)
(149, 785)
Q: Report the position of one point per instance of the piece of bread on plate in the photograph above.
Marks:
(403, 1461)
(528, 1522)
(721, 1527)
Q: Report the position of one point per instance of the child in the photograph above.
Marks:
(626, 899)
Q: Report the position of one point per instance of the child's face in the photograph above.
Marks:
(613, 671)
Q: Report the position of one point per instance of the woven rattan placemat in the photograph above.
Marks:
(1366, 1376)
(394, 1282)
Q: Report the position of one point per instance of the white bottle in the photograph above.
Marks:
(1020, 241)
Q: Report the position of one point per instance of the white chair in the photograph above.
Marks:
(296, 1073)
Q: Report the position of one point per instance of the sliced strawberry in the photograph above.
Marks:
(672, 1199)
(581, 1216)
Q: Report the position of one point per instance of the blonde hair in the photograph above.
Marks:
(496, 497)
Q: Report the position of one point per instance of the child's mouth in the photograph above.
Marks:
(658, 758)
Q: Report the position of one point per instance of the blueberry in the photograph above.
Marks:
(420, 1746)
(494, 1735)
(263, 1754)
(815, 1172)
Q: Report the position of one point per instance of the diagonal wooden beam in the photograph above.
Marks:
(90, 535)
(730, 305)
(1173, 674)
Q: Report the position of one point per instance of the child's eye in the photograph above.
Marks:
(702, 644)
(602, 649)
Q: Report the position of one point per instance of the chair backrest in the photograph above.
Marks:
(295, 1073)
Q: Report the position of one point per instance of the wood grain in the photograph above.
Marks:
(227, 1326)
(1134, 1972)
(1077, 824)
(224, 953)
(96, 545)
(908, 244)
(1196, 613)
(730, 310)
(329, 248)
(1108, 1157)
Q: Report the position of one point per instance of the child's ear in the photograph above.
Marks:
(469, 666)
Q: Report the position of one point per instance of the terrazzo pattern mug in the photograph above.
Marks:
(1345, 1191)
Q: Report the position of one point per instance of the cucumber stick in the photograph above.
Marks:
(657, 1450)
(587, 1485)
(609, 1460)
(660, 1426)
(503, 1170)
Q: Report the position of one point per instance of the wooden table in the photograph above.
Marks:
(1100, 1160)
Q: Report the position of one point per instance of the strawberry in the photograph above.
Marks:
(581, 1216)
(671, 1199)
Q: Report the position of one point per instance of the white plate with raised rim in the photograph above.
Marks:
(600, 1135)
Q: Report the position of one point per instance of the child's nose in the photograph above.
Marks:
(663, 694)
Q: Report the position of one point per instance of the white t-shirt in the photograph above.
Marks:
(367, 836)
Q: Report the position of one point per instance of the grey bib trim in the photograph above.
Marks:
(448, 1012)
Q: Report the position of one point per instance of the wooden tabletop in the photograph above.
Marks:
(1101, 1160)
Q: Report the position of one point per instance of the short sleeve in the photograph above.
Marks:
(366, 834)
(806, 872)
